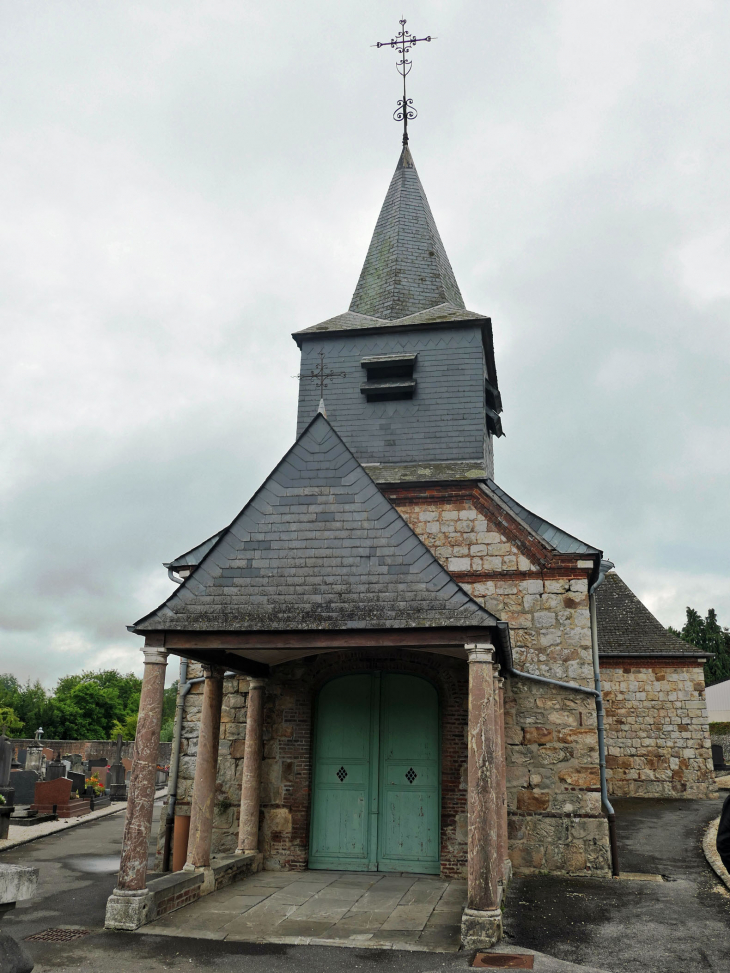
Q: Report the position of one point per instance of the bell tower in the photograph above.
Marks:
(407, 373)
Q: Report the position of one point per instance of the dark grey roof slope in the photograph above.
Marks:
(317, 547)
(560, 540)
(195, 555)
(406, 268)
(627, 627)
(440, 314)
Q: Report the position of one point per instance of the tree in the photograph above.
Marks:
(708, 635)
(9, 720)
(87, 712)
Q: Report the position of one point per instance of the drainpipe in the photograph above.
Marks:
(603, 570)
(184, 688)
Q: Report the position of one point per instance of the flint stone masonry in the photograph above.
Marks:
(658, 742)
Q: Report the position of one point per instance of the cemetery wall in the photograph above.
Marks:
(657, 737)
(93, 748)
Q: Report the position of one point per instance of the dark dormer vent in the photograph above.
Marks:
(389, 377)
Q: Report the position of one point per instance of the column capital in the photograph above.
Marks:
(498, 681)
(256, 683)
(213, 672)
(154, 656)
(480, 653)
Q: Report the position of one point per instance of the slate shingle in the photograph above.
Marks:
(361, 567)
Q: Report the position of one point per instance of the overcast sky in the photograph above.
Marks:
(184, 184)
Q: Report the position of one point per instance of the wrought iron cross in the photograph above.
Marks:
(402, 43)
(319, 374)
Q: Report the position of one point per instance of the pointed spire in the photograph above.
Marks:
(321, 410)
(406, 269)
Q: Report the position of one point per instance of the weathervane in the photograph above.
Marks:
(402, 43)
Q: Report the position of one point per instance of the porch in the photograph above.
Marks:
(364, 909)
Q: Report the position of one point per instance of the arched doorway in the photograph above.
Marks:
(376, 794)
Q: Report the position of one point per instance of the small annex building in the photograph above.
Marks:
(391, 663)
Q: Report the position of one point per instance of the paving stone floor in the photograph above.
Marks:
(392, 909)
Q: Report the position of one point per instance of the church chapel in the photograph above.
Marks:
(390, 663)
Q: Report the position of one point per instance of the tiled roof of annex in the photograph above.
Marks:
(317, 547)
(627, 627)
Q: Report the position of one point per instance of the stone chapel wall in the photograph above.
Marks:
(289, 699)
(657, 737)
(553, 783)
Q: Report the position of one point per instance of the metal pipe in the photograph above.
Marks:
(603, 570)
(184, 688)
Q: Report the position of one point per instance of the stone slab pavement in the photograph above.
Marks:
(389, 910)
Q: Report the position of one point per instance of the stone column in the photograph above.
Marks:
(122, 907)
(481, 924)
(503, 862)
(248, 832)
(202, 804)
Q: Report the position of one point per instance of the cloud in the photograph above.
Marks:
(183, 186)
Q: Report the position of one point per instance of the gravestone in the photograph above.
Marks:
(50, 754)
(67, 765)
(55, 768)
(718, 757)
(117, 774)
(6, 759)
(78, 783)
(24, 782)
(54, 796)
(98, 762)
(77, 762)
(36, 760)
(22, 756)
(8, 793)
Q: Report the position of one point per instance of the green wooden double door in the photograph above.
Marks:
(376, 789)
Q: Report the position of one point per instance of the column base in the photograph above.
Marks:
(480, 930)
(127, 910)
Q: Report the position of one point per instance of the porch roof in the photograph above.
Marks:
(317, 548)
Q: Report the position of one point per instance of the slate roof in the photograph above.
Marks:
(195, 555)
(317, 547)
(627, 627)
(440, 314)
(406, 268)
(560, 540)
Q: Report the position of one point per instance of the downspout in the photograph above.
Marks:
(503, 628)
(184, 688)
(603, 570)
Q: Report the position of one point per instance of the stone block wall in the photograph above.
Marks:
(553, 784)
(657, 737)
